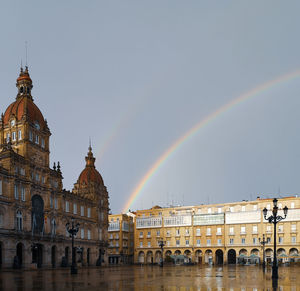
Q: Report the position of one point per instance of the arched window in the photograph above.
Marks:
(53, 227)
(19, 220)
(1, 219)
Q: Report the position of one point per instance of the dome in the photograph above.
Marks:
(90, 174)
(24, 105)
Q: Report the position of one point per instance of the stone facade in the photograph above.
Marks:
(218, 233)
(34, 207)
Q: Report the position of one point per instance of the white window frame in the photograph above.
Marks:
(74, 208)
(23, 193)
(67, 206)
(16, 192)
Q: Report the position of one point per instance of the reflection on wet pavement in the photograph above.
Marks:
(148, 278)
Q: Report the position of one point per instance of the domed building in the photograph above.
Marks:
(34, 207)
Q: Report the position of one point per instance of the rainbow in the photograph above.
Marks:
(194, 130)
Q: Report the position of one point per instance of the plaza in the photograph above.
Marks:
(138, 277)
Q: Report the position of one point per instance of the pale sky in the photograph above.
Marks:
(136, 75)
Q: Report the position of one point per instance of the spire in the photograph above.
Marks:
(24, 83)
(90, 160)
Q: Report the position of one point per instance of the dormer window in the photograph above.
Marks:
(30, 135)
(21, 90)
(37, 125)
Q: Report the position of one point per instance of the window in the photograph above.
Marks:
(8, 137)
(243, 241)
(177, 232)
(255, 207)
(177, 243)
(55, 203)
(37, 177)
(219, 210)
(37, 139)
(231, 241)
(16, 192)
(198, 242)
(89, 234)
(254, 228)
(293, 239)
(168, 243)
(141, 244)
(19, 221)
(1, 187)
(231, 230)
(219, 242)
(14, 136)
(158, 233)
(141, 234)
(268, 206)
(30, 135)
(269, 229)
(208, 231)
(243, 229)
(268, 240)
(231, 209)
(43, 142)
(75, 208)
(187, 243)
(187, 232)
(208, 242)
(20, 134)
(22, 193)
(209, 210)
(1, 219)
(82, 233)
(255, 240)
(22, 171)
(280, 239)
(292, 204)
(293, 228)
(198, 233)
(280, 228)
(219, 230)
(43, 179)
(149, 234)
(243, 208)
(67, 206)
(53, 227)
(82, 210)
(149, 244)
(89, 212)
(51, 202)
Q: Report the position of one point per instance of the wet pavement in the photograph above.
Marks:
(171, 278)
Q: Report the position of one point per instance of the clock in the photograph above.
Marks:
(13, 122)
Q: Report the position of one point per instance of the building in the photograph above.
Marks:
(121, 238)
(34, 207)
(216, 234)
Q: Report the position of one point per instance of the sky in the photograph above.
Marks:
(135, 76)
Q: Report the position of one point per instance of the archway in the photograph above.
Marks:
(67, 252)
(219, 257)
(254, 252)
(88, 256)
(293, 252)
(53, 256)
(188, 254)
(198, 256)
(158, 256)
(149, 257)
(37, 255)
(231, 257)
(208, 257)
(19, 254)
(177, 253)
(269, 255)
(141, 257)
(243, 252)
(37, 215)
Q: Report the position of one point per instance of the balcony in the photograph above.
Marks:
(243, 232)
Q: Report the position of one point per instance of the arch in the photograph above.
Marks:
(37, 254)
(254, 252)
(219, 257)
(141, 257)
(149, 257)
(282, 256)
(293, 252)
(281, 251)
(231, 256)
(168, 253)
(198, 256)
(19, 255)
(53, 256)
(243, 252)
(19, 220)
(88, 254)
(37, 214)
(177, 253)
(208, 257)
(158, 256)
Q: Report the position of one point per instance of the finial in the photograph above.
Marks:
(58, 166)
(54, 166)
(90, 144)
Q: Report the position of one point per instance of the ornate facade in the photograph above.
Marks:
(34, 207)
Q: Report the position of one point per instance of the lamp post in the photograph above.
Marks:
(275, 219)
(161, 244)
(72, 230)
(263, 242)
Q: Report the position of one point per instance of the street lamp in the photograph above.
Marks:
(161, 244)
(73, 231)
(275, 219)
(263, 242)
